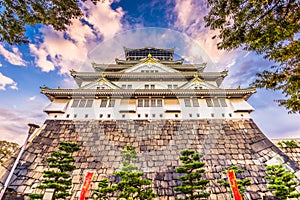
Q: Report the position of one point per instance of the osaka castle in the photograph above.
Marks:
(161, 105)
(148, 85)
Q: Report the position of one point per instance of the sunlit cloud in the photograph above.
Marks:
(6, 81)
(14, 56)
(68, 50)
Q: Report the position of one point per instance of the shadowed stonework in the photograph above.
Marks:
(223, 143)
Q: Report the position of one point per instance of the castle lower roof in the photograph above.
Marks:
(202, 93)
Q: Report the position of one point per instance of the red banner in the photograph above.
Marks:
(86, 184)
(234, 186)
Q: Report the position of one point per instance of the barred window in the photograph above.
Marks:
(195, 102)
(75, 103)
(187, 102)
(223, 102)
(82, 103)
(111, 103)
(89, 103)
(159, 103)
(140, 103)
(149, 103)
(146, 102)
(216, 102)
(209, 103)
(103, 103)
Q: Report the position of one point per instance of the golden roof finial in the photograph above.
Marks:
(149, 55)
(103, 75)
(195, 75)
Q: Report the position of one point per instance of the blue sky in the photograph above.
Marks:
(100, 35)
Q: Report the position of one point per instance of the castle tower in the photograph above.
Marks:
(148, 85)
(162, 106)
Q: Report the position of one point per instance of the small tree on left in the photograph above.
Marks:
(58, 177)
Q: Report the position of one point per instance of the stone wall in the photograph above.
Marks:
(223, 143)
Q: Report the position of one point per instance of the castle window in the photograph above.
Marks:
(139, 115)
(89, 103)
(86, 116)
(172, 86)
(223, 115)
(191, 115)
(187, 103)
(149, 103)
(152, 86)
(123, 116)
(160, 115)
(82, 103)
(198, 115)
(111, 103)
(140, 103)
(103, 103)
(146, 115)
(68, 116)
(223, 102)
(216, 102)
(153, 103)
(101, 115)
(146, 86)
(146, 102)
(159, 103)
(123, 86)
(153, 115)
(129, 86)
(55, 116)
(209, 103)
(75, 103)
(195, 102)
(230, 115)
(212, 115)
(75, 115)
(176, 115)
(108, 115)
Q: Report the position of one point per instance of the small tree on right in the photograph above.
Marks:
(192, 184)
(282, 182)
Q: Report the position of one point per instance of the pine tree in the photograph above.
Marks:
(132, 185)
(192, 183)
(59, 177)
(241, 183)
(282, 182)
(104, 191)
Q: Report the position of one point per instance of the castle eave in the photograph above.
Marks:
(203, 93)
(184, 76)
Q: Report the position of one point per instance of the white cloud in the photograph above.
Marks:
(190, 19)
(14, 57)
(32, 98)
(69, 50)
(6, 81)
